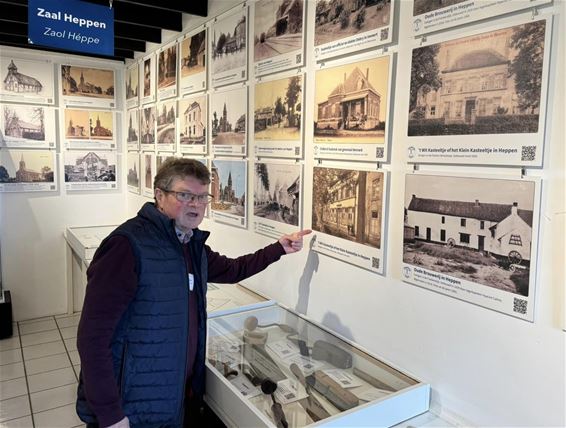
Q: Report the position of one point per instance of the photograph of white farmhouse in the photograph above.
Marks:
(476, 229)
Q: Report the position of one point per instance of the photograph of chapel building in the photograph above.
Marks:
(133, 170)
(192, 121)
(228, 117)
(338, 19)
(484, 84)
(21, 82)
(167, 67)
(133, 126)
(348, 204)
(193, 54)
(23, 122)
(228, 186)
(31, 166)
(277, 191)
(85, 124)
(89, 166)
(87, 82)
(278, 27)
(132, 84)
(351, 102)
(476, 229)
(228, 44)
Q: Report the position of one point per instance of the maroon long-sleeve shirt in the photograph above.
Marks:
(112, 285)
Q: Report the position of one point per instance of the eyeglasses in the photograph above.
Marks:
(190, 197)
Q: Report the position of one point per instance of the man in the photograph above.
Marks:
(142, 333)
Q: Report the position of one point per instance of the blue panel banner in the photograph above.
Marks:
(71, 25)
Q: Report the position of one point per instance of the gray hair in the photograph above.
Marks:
(180, 168)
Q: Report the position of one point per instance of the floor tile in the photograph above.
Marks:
(13, 388)
(68, 315)
(52, 398)
(69, 332)
(68, 321)
(12, 371)
(52, 379)
(10, 343)
(34, 320)
(71, 344)
(25, 422)
(61, 417)
(37, 327)
(43, 350)
(10, 356)
(14, 408)
(46, 364)
(43, 337)
(74, 356)
(15, 329)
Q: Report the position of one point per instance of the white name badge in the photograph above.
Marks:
(191, 281)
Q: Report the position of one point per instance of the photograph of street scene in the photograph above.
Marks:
(228, 44)
(228, 110)
(87, 82)
(277, 192)
(228, 186)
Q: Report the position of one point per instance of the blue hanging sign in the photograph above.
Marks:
(71, 25)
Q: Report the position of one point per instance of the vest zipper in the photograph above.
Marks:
(122, 369)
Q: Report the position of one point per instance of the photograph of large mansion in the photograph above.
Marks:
(484, 84)
(192, 114)
(19, 82)
(486, 240)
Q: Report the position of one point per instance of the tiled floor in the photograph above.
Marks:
(39, 367)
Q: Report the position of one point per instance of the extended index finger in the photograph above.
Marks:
(303, 232)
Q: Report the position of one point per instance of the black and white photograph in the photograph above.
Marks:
(27, 126)
(133, 177)
(193, 62)
(228, 188)
(345, 26)
(148, 170)
(228, 118)
(348, 208)
(132, 86)
(147, 79)
(133, 133)
(473, 238)
(27, 170)
(89, 87)
(26, 80)
(351, 109)
(277, 198)
(90, 170)
(278, 35)
(193, 121)
(166, 126)
(148, 128)
(167, 72)
(489, 84)
(278, 116)
(89, 129)
(229, 48)
(434, 15)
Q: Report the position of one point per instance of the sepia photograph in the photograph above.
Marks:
(278, 28)
(77, 124)
(147, 70)
(24, 126)
(277, 188)
(488, 83)
(26, 81)
(476, 229)
(147, 173)
(351, 102)
(339, 19)
(133, 137)
(426, 6)
(133, 177)
(348, 204)
(193, 55)
(277, 109)
(101, 125)
(166, 117)
(228, 43)
(228, 117)
(193, 119)
(26, 166)
(89, 166)
(228, 186)
(132, 85)
(167, 67)
(87, 82)
(147, 125)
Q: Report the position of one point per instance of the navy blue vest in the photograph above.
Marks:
(149, 347)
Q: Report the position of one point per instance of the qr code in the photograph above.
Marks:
(289, 396)
(297, 150)
(298, 58)
(528, 153)
(520, 306)
(379, 152)
(384, 34)
(375, 262)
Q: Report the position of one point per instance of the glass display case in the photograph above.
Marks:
(289, 372)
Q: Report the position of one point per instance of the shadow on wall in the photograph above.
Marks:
(311, 266)
(333, 323)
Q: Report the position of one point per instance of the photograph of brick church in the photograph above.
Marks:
(228, 117)
(489, 83)
(133, 176)
(87, 82)
(89, 166)
(351, 102)
(89, 124)
(278, 27)
(21, 122)
(348, 204)
(132, 82)
(228, 186)
(228, 42)
(477, 229)
(26, 166)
